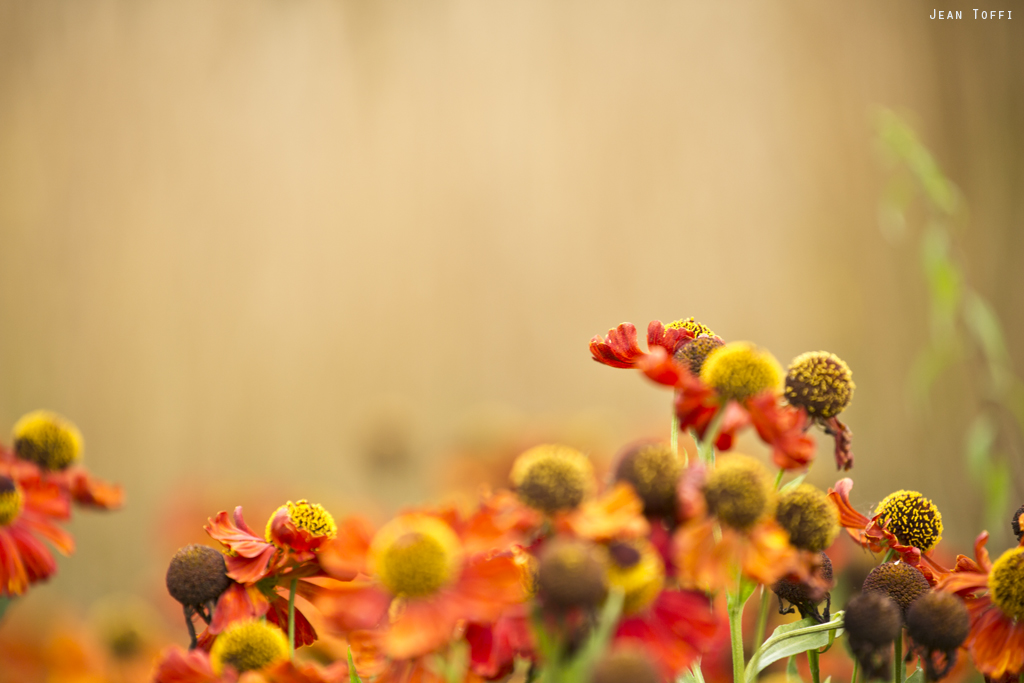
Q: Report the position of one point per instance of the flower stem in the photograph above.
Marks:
(706, 447)
(291, 619)
(856, 670)
(734, 606)
(812, 662)
(762, 616)
(778, 478)
(889, 555)
(897, 662)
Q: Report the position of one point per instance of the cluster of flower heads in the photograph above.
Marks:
(561, 565)
(41, 476)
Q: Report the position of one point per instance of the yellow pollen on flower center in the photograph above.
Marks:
(913, 519)
(692, 325)
(740, 370)
(820, 382)
(1006, 583)
(738, 491)
(311, 517)
(248, 646)
(47, 439)
(552, 477)
(10, 501)
(415, 556)
(638, 570)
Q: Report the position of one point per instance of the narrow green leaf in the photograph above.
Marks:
(792, 672)
(916, 677)
(353, 677)
(796, 481)
(792, 639)
(978, 446)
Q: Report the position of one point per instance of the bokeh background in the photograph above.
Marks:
(354, 251)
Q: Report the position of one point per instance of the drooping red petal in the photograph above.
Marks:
(94, 492)
(843, 441)
(286, 534)
(178, 666)
(250, 556)
(305, 634)
(13, 577)
(849, 518)
(355, 606)
(238, 603)
(493, 648)
(345, 555)
(619, 348)
(487, 587)
(670, 339)
(784, 429)
(677, 628)
(422, 626)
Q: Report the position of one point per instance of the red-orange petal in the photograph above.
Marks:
(345, 555)
(618, 513)
(422, 626)
(354, 606)
(94, 492)
(178, 666)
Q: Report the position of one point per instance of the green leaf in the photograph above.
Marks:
(978, 445)
(792, 672)
(790, 485)
(792, 639)
(916, 677)
(353, 677)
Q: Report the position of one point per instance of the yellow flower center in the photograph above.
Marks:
(637, 569)
(809, 516)
(899, 580)
(738, 492)
(311, 517)
(10, 501)
(552, 477)
(740, 370)
(47, 439)
(416, 555)
(820, 382)
(913, 519)
(1006, 583)
(248, 646)
(692, 325)
(653, 471)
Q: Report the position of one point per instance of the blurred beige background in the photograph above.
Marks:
(262, 250)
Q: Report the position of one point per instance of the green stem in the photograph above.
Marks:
(706, 447)
(291, 618)
(812, 662)
(889, 555)
(897, 663)
(698, 675)
(778, 478)
(762, 616)
(856, 670)
(734, 606)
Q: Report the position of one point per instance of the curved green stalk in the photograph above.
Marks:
(291, 618)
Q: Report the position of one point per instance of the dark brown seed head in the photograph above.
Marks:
(899, 580)
(938, 621)
(653, 470)
(626, 665)
(571, 574)
(873, 618)
(692, 354)
(197, 574)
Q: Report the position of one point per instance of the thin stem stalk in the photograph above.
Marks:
(706, 446)
(762, 616)
(812, 662)
(856, 670)
(291, 618)
(897, 662)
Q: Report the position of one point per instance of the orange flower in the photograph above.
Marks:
(49, 446)
(254, 651)
(620, 349)
(676, 626)
(419, 582)
(28, 508)
(698, 402)
(995, 599)
(288, 551)
(905, 521)
(729, 527)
